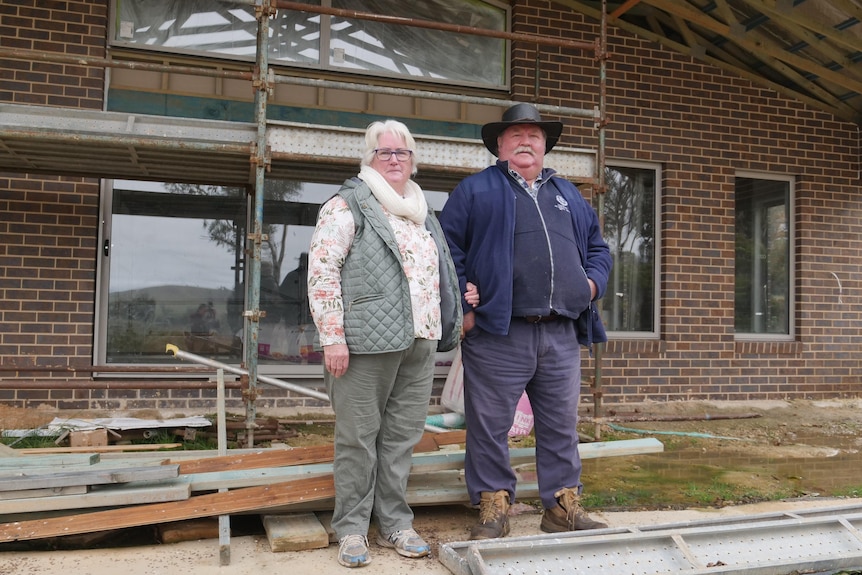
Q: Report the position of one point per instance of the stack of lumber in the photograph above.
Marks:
(87, 493)
(43, 483)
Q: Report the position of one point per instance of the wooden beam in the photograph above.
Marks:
(51, 461)
(100, 448)
(300, 455)
(89, 477)
(269, 458)
(237, 501)
(40, 493)
(6, 451)
(422, 463)
(115, 496)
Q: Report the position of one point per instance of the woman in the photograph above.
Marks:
(384, 298)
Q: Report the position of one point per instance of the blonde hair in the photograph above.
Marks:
(377, 129)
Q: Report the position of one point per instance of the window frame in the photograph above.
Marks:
(274, 368)
(791, 258)
(655, 333)
(325, 40)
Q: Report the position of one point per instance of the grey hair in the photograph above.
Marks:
(377, 129)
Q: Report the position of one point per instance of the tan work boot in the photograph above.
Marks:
(568, 515)
(493, 516)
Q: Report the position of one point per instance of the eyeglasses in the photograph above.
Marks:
(385, 154)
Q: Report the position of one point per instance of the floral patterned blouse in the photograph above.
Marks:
(330, 244)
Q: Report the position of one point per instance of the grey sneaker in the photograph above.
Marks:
(353, 551)
(406, 542)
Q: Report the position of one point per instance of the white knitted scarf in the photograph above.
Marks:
(411, 206)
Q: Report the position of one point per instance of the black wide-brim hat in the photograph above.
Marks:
(521, 114)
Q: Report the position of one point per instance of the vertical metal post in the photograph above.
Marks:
(223, 520)
(263, 11)
(601, 122)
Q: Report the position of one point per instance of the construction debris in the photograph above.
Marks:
(146, 489)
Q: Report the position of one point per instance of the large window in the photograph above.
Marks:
(174, 272)
(629, 307)
(228, 30)
(763, 257)
(177, 271)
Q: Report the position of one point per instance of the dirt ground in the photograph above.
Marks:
(804, 431)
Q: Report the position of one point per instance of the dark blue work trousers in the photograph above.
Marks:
(543, 358)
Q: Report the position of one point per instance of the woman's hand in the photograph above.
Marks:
(336, 358)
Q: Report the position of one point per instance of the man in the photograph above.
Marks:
(532, 245)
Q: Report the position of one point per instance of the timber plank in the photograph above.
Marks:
(298, 455)
(106, 496)
(6, 451)
(45, 492)
(101, 448)
(295, 532)
(438, 479)
(273, 458)
(53, 461)
(88, 477)
(422, 463)
(113, 464)
(214, 504)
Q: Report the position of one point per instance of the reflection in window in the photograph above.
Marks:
(762, 301)
(629, 228)
(216, 27)
(419, 52)
(320, 41)
(177, 271)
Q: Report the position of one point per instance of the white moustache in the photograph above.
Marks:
(524, 150)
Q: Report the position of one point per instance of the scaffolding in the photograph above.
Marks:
(154, 149)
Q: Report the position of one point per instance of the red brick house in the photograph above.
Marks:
(129, 154)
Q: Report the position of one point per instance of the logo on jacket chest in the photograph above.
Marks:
(562, 204)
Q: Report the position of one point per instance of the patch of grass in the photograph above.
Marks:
(164, 436)
(628, 498)
(30, 441)
(708, 494)
(850, 491)
(718, 493)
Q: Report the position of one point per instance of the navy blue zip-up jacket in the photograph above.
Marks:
(479, 223)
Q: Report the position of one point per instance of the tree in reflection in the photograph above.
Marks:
(227, 227)
(629, 206)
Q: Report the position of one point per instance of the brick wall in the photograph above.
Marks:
(49, 225)
(698, 123)
(702, 126)
(67, 27)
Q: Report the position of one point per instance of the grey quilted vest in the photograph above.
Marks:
(377, 311)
